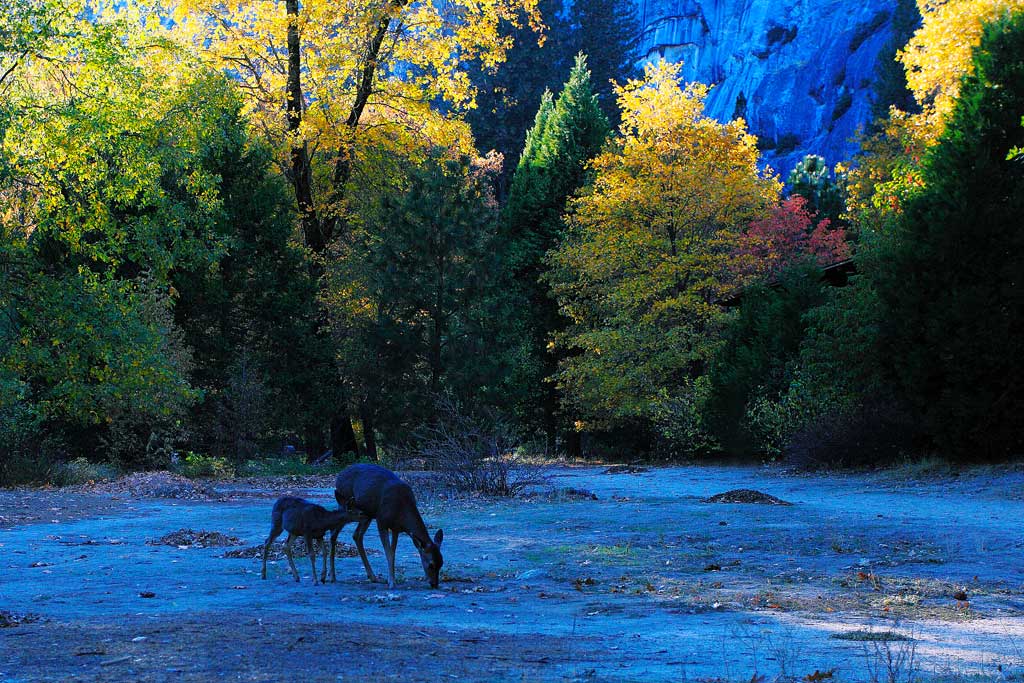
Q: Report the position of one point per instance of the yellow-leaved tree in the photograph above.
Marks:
(331, 83)
(320, 74)
(939, 55)
(649, 254)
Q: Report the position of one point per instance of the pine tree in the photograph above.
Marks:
(607, 32)
(567, 132)
(812, 180)
(507, 95)
(953, 289)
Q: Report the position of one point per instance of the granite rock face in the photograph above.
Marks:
(799, 71)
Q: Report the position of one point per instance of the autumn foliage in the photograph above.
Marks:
(650, 246)
(236, 226)
(787, 235)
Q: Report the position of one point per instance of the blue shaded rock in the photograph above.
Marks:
(800, 72)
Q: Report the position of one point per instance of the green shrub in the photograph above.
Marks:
(755, 365)
(198, 466)
(681, 421)
(875, 432)
(21, 455)
(80, 471)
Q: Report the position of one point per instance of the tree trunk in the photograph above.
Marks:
(314, 442)
(549, 404)
(302, 176)
(369, 439)
(343, 437)
(438, 323)
(574, 445)
(316, 232)
(550, 421)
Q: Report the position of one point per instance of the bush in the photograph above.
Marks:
(81, 471)
(475, 453)
(682, 423)
(755, 365)
(877, 432)
(22, 456)
(198, 466)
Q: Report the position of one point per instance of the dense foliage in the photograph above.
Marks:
(264, 227)
(568, 131)
(649, 250)
(952, 292)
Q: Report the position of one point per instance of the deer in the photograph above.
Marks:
(379, 494)
(311, 521)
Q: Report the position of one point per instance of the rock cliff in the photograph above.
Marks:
(799, 71)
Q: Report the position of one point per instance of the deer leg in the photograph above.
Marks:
(357, 536)
(288, 552)
(323, 549)
(394, 548)
(389, 551)
(334, 545)
(274, 533)
(312, 552)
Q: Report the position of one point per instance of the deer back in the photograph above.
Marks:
(379, 493)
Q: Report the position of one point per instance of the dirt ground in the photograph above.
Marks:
(649, 582)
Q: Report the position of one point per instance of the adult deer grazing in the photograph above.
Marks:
(379, 494)
(301, 518)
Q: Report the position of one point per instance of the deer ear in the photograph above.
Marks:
(438, 537)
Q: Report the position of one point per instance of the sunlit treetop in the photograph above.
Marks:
(939, 54)
(420, 63)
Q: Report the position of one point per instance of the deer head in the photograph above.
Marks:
(430, 556)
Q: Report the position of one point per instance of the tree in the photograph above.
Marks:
(411, 294)
(607, 31)
(789, 235)
(249, 319)
(952, 291)
(756, 363)
(649, 250)
(509, 92)
(567, 132)
(812, 180)
(104, 195)
(939, 55)
(318, 80)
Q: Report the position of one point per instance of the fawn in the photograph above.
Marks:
(379, 494)
(301, 518)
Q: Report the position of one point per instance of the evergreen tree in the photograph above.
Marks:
(812, 180)
(249, 320)
(507, 94)
(566, 133)
(953, 289)
(411, 297)
(607, 31)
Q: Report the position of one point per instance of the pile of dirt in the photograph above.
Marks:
(626, 469)
(187, 538)
(298, 550)
(746, 496)
(11, 619)
(160, 484)
(273, 486)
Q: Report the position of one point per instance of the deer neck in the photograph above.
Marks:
(412, 524)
